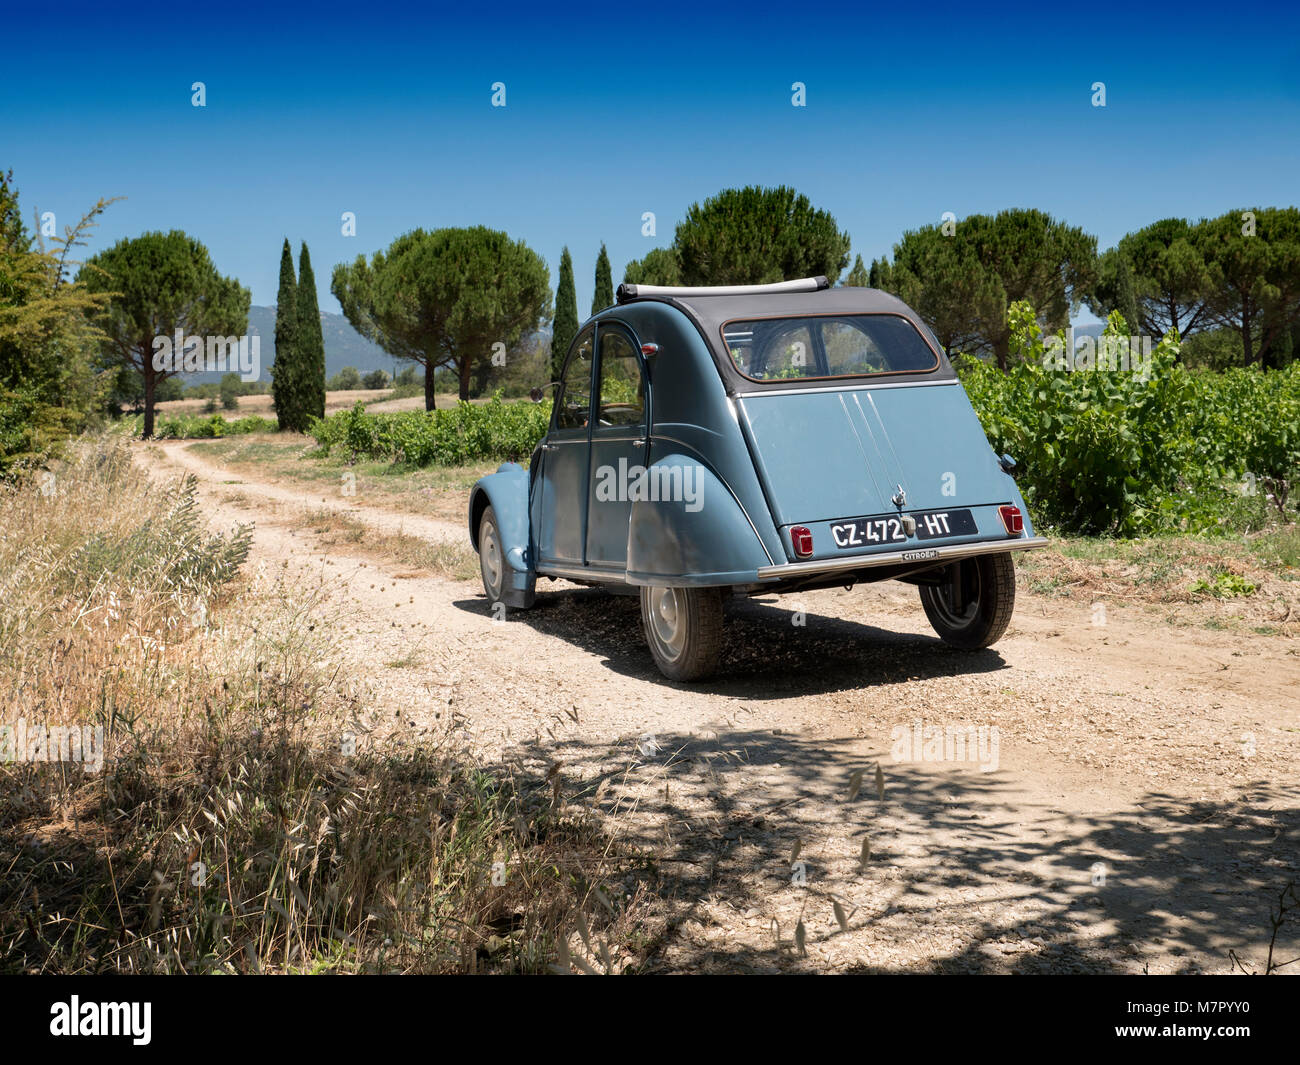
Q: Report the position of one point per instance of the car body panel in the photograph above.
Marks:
(608, 518)
(563, 491)
(679, 543)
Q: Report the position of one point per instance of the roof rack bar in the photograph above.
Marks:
(628, 292)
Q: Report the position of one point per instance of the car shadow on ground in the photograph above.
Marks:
(957, 858)
(770, 652)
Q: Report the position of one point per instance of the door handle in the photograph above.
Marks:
(641, 443)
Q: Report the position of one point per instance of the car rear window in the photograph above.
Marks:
(808, 348)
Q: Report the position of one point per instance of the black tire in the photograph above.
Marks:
(975, 613)
(491, 557)
(683, 628)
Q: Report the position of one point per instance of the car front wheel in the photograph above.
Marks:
(491, 556)
(972, 607)
(683, 627)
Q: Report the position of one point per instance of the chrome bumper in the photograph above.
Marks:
(921, 556)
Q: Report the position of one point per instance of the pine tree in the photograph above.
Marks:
(604, 296)
(310, 357)
(1126, 296)
(565, 326)
(286, 389)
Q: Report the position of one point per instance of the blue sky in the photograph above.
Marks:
(614, 110)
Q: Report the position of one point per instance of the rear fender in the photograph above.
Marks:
(699, 536)
(506, 492)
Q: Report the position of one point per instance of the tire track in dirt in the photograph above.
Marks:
(178, 454)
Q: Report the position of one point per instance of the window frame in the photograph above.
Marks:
(643, 427)
(558, 399)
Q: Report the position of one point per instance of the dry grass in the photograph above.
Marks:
(248, 815)
(454, 560)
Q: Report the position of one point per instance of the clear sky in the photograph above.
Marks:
(616, 109)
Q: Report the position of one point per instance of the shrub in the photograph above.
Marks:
(230, 391)
(31, 431)
(194, 427)
(347, 379)
(462, 434)
(1129, 453)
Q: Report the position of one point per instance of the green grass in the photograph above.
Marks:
(1280, 549)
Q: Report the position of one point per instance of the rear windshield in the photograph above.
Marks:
(806, 348)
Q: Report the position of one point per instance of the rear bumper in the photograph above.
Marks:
(899, 558)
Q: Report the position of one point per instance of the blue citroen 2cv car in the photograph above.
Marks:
(744, 440)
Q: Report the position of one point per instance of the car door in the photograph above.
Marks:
(564, 460)
(618, 445)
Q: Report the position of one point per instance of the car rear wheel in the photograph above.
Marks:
(972, 607)
(683, 627)
(491, 556)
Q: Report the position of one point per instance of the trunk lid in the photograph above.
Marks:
(826, 454)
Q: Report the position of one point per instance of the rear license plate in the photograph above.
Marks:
(930, 525)
(935, 524)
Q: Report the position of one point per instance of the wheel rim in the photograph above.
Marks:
(668, 619)
(943, 597)
(491, 561)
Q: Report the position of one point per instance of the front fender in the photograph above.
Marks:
(506, 492)
(700, 539)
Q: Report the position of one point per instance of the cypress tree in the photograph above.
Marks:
(604, 296)
(565, 326)
(310, 358)
(858, 276)
(285, 379)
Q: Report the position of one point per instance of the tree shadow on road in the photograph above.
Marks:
(963, 875)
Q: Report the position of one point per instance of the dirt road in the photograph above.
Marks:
(1138, 808)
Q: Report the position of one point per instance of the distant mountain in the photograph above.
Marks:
(344, 346)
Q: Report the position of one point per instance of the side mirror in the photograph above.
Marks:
(535, 394)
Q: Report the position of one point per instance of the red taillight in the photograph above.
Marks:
(1012, 520)
(801, 537)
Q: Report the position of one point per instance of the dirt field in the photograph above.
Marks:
(261, 404)
(334, 401)
(1138, 809)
